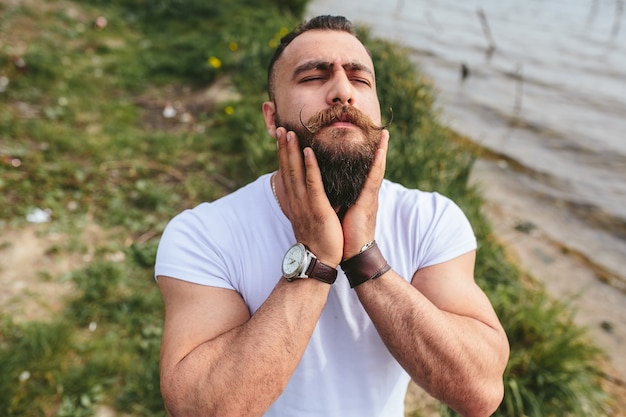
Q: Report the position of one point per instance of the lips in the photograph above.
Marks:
(340, 123)
(342, 119)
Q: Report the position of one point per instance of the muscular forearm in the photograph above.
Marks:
(456, 359)
(243, 371)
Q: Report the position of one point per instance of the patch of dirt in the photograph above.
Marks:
(34, 264)
(24, 26)
(177, 108)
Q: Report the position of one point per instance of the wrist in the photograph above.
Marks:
(366, 265)
(299, 263)
(355, 250)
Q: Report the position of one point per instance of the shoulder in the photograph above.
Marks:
(398, 197)
(198, 244)
(428, 226)
(232, 207)
(219, 223)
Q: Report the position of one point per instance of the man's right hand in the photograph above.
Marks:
(314, 220)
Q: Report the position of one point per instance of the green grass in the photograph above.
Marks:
(81, 133)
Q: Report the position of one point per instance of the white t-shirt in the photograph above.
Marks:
(238, 242)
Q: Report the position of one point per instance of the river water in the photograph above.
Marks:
(546, 91)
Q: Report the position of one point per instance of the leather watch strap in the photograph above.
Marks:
(321, 271)
(369, 264)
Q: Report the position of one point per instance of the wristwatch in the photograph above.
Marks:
(299, 263)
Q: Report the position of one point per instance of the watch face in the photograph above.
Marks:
(293, 261)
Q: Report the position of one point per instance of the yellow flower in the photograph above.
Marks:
(233, 46)
(214, 62)
(229, 110)
(275, 41)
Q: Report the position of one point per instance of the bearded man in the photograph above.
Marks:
(322, 289)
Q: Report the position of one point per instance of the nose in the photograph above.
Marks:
(340, 90)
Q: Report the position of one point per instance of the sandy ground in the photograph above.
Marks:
(30, 287)
(599, 307)
(34, 268)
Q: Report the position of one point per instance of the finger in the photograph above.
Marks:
(288, 164)
(377, 172)
(281, 141)
(314, 182)
(295, 172)
(380, 157)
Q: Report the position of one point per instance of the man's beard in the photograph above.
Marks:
(344, 161)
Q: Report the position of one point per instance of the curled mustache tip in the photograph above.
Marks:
(386, 125)
(304, 125)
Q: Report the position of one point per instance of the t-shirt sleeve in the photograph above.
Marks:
(447, 232)
(187, 252)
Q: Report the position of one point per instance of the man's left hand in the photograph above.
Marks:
(359, 223)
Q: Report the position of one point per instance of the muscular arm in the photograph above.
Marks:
(444, 332)
(217, 360)
(440, 327)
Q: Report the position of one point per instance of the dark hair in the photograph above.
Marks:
(325, 22)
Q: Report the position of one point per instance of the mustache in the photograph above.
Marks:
(347, 114)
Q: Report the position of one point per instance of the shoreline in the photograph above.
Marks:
(516, 217)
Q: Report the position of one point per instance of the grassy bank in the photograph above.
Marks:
(83, 134)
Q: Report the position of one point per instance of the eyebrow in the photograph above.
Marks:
(353, 66)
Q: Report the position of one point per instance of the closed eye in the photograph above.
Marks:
(315, 78)
(363, 81)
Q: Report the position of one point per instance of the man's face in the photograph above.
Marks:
(326, 93)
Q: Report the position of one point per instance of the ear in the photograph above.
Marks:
(269, 111)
